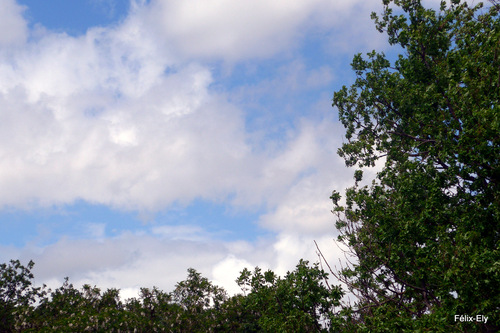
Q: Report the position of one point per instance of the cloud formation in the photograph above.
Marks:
(108, 118)
(131, 116)
(98, 118)
(238, 30)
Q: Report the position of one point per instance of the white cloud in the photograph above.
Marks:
(305, 206)
(13, 27)
(112, 118)
(97, 118)
(355, 32)
(225, 272)
(128, 117)
(186, 232)
(172, 139)
(131, 261)
(236, 30)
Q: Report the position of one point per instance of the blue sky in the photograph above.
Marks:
(143, 138)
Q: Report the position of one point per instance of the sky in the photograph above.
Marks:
(142, 138)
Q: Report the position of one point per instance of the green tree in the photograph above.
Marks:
(153, 311)
(200, 303)
(301, 301)
(68, 309)
(17, 295)
(426, 232)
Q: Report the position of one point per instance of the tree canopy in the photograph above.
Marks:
(426, 233)
(301, 301)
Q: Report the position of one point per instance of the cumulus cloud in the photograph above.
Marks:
(103, 118)
(112, 117)
(237, 30)
(110, 131)
(128, 116)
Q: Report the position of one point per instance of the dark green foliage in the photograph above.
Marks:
(426, 233)
(16, 294)
(71, 310)
(200, 303)
(302, 301)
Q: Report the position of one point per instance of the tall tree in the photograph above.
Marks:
(301, 301)
(17, 294)
(426, 233)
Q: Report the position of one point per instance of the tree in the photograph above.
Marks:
(301, 301)
(426, 233)
(200, 303)
(153, 311)
(68, 309)
(17, 294)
